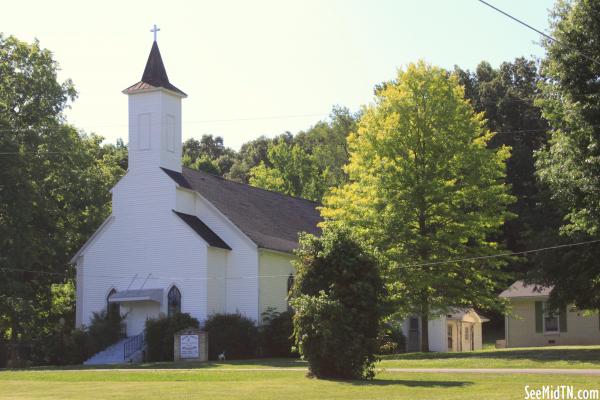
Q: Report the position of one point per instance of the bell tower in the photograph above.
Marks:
(154, 118)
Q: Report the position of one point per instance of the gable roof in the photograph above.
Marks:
(203, 230)
(520, 289)
(154, 76)
(271, 220)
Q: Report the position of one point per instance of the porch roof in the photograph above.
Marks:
(127, 296)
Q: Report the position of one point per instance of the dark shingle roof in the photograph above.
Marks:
(271, 220)
(203, 230)
(155, 74)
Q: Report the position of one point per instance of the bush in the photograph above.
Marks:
(105, 329)
(160, 332)
(3, 353)
(391, 339)
(276, 334)
(337, 298)
(234, 334)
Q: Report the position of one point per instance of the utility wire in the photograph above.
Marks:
(507, 254)
(450, 261)
(202, 121)
(582, 53)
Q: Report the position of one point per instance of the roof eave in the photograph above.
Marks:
(180, 94)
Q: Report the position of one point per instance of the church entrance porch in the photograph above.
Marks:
(138, 306)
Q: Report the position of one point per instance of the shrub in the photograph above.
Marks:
(105, 329)
(391, 339)
(3, 353)
(276, 334)
(234, 334)
(337, 298)
(160, 332)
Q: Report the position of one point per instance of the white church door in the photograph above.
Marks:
(136, 315)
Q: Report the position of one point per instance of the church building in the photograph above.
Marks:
(182, 240)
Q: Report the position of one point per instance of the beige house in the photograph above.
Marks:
(533, 323)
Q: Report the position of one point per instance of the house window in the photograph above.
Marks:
(174, 301)
(551, 323)
(112, 308)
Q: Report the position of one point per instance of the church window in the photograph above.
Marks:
(112, 308)
(174, 301)
(170, 133)
(290, 283)
(144, 131)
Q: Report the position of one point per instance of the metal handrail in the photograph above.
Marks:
(132, 345)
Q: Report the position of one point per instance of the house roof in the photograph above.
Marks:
(203, 230)
(520, 289)
(270, 219)
(466, 314)
(154, 76)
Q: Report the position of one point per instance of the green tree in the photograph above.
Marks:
(54, 186)
(338, 301)
(294, 172)
(424, 188)
(506, 95)
(570, 164)
(309, 163)
(208, 154)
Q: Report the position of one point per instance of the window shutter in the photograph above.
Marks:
(562, 318)
(539, 317)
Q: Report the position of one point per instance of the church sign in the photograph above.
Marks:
(190, 345)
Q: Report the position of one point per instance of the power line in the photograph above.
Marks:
(201, 121)
(507, 254)
(150, 277)
(449, 261)
(581, 52)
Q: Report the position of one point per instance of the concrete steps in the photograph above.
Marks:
(111, 355)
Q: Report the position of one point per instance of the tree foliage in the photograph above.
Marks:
(570, 164)
(506, 95)
(308, 164)
(337, 298)
(54, 188)
(424, 188)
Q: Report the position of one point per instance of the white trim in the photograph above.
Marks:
(557, 315)
(192, 230)
(120, 179)
(283, 253)
(92, 238)
(154, 89)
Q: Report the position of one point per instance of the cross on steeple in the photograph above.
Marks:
(155, 30)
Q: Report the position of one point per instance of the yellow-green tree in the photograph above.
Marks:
(424, 188)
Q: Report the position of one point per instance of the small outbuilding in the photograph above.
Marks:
(458, 330)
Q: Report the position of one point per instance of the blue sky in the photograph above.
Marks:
(262, 67)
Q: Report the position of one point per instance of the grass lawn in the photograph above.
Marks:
(231, 384)
(540, 357)
(285, 378)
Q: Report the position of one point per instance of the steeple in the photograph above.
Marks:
(154, 119)
(154, 76)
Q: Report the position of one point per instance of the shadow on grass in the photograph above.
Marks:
(411, 383)
(251, 363)
(574, 355)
